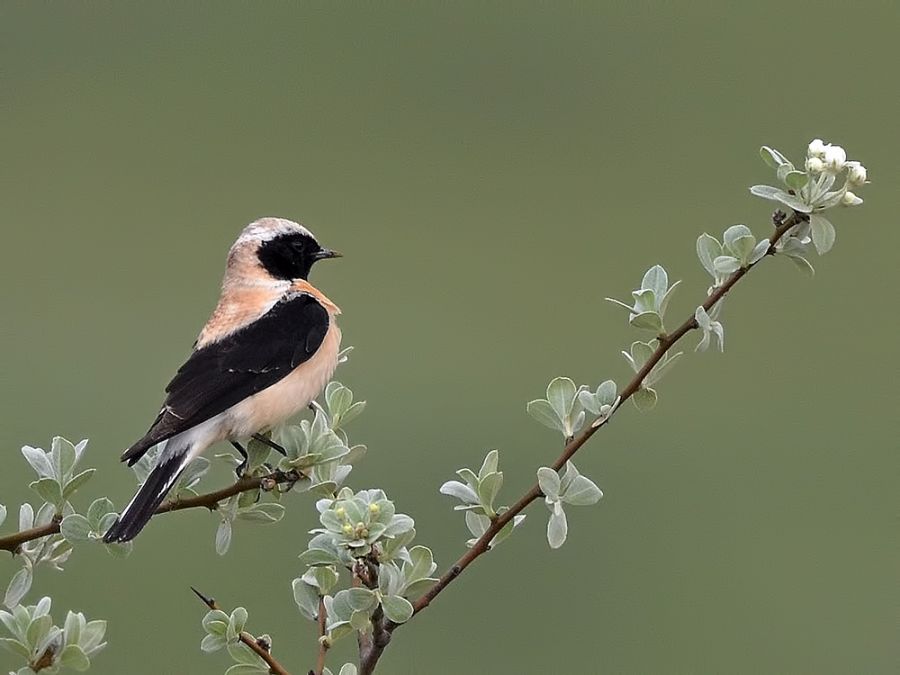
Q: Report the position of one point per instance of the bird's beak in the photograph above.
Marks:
(328, 253)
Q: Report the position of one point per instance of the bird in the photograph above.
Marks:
(266, 352)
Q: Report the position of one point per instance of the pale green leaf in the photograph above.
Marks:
(557, 527)
(582, 491)
(656, 280)
(560, 394)
(396, 608)
(647, 321)
(772, 157)
(307, 598)
(822, 232)
(549, 482)
(796, 180)
(544, 413)
(223, 537)
(644, 398)
(18, 587)
(73, 657)
(708, 249)
(75, 527)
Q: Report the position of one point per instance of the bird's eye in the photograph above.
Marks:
(299, 245)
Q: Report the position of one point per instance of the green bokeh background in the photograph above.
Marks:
(491, 172)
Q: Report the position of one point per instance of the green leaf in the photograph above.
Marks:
(667, 296)
(76, 482)
(772, 157)
(557, 527)
(477, 523)
(2, 514)
(223, 537)
(74, 657)
(606, 392)
(544, 413)
(361, 599)
(49, 491)
(759, 251)
(739, 241)
(488, 489)
(726, 264)
(99, 508)
(237, 621)
(708, 249)
(462, 492)
(803, 264)
(265, 512)
(75, 527)
(548, 481)
(582, 492)
(490, 463)
(15, 647)
(422, 564)
(396, 608)
(307, 598)
(774, 194)
(213, 643)
(38, 460)
(656, 280)
(822, 233)
(644, 398)
(647, 321)
(644, 300)
(63, 457)
(338, 398)
(796, 180)
(560, 394)
(215, 621)
(92, 635)
(242, 654)
(398, 525)
(18, 587)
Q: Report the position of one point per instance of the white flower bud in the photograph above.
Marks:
(816, 148)
(835, 157)
(851, 199)
(856, 174)
(815, 165)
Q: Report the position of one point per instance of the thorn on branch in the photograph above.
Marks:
(209, 602)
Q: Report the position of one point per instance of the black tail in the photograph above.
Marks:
(148, 498)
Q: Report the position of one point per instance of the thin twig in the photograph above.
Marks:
(275, 668)
(210, 500)
(323, 638)
(482, 545)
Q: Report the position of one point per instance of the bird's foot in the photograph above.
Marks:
(272, 444)
(242, 467)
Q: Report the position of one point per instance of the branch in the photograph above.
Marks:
(665, 343)
(209, 500)
(275, 668)
(323, 639)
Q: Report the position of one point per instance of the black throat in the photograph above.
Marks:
(289, 256)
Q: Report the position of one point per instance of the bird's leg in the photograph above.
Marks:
(240, 468)
(272, 444)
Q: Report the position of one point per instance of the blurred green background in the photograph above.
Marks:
(491, 171)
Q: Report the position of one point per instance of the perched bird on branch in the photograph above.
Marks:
(266, 352)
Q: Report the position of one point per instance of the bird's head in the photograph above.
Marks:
(277, 248)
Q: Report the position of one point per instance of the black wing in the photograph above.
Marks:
(221, 374)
